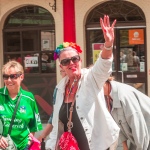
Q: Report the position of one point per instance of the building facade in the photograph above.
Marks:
(31, 29)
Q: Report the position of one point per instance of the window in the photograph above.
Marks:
(27, 44)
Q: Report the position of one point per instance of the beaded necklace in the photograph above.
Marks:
(72, 90)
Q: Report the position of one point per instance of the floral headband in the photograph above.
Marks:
(64, 45)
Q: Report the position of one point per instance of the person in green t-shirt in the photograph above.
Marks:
(27, 120)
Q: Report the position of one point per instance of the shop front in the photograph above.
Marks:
(29, 38)
(129, 65)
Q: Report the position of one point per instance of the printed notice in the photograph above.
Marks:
(31, 61)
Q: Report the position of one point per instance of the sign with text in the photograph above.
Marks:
(142, 66)
(136, 36)
(31, 61)
(97, 48)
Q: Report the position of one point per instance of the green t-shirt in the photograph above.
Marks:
(27, 117)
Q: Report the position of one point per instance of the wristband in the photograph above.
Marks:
(108, 48)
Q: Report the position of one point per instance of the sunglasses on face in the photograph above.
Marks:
(74, 59)
(11, 76)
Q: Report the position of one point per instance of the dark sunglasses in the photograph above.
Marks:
(11, 76)
(74, 59)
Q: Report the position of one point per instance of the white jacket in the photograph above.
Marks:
(131, 113)
(100, 128)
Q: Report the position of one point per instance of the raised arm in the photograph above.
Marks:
(108, 32)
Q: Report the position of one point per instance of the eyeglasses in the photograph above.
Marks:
(74, 59)
(11, 76)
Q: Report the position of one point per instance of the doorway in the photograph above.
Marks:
(29, 38)
(129, 64)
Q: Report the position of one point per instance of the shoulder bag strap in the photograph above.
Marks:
(14, 114)
(1, 128)
(70, 123)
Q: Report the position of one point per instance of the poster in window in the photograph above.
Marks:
(136, 36)
(31, 61)
(45, 45)
(97, 48)
(142, 66)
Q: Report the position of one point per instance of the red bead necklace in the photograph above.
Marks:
(70, 90)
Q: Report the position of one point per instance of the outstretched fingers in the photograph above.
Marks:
(107, 21)
(108, 30)
(102, 25)
(112, 27)
(113, 24)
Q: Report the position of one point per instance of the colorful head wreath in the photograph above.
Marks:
(63, 46)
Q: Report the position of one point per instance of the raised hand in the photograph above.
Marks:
(108, 31)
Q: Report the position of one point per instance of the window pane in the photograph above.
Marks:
(12, 41)
(47, 40)
(29, 16)
(10, 57)
(123, 11)
(30, 40)
(132, 52)
(48, 63)
(95, 36)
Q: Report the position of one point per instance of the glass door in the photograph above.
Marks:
(129, 64)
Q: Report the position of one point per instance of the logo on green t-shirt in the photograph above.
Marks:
(22, 109)
(2, 108)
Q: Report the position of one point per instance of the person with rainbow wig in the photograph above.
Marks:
(79, 101)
